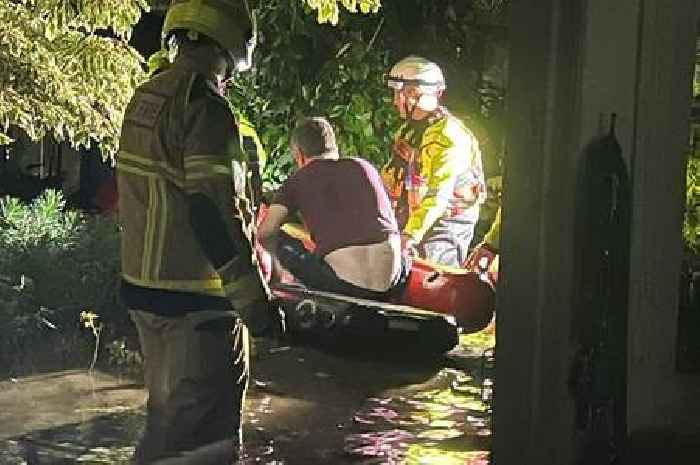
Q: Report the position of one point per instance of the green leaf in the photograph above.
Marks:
(54, 71)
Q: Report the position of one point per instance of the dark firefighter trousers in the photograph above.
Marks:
(196, 370)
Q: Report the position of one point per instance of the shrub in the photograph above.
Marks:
(691, 224)
(54, 264)
(303, 69)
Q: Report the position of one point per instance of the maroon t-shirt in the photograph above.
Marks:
(342, 202)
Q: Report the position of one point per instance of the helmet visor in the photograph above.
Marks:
(399, 83)
(245, 62)
(241, 58)
(394, 84)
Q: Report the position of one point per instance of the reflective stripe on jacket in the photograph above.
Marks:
(493, 236)
(179, 138)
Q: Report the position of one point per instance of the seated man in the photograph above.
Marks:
(347, 212)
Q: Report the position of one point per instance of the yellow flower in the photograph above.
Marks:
(88, 318)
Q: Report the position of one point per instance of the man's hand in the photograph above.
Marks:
(480, 259)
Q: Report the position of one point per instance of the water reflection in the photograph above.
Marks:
(447, 424)
(377, 413)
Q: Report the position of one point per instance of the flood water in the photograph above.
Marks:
(305, 406)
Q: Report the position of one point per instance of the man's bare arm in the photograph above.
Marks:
(269, 229)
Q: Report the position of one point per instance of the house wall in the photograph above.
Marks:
(572, 64)
(532, 405)
(658, 397)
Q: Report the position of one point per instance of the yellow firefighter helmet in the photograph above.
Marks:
(228, 22)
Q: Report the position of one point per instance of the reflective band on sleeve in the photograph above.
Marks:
(202, 167)
(203, 163)
(204, 286)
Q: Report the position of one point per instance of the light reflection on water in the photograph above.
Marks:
(445, 421)
(447, 424)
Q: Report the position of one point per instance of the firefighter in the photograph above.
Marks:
(189, 276)
(435, 177)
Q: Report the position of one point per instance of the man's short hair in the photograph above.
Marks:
(314, 136)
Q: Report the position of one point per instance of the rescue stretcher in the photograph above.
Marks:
(435, 305)
(327, 316)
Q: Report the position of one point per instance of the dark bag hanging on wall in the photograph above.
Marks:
(599, 370)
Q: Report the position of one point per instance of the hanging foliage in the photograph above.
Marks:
(329, 12)
(303, 68)
(67, 69)
(306, 69)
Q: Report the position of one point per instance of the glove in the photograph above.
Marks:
(265, 318)
(480, 259)
(251, 301)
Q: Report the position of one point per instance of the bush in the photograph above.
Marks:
(691, 224)
(54, 264)
(303, 69)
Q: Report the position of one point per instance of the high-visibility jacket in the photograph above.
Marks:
(179, 140)
(493, 236)
(443, 182)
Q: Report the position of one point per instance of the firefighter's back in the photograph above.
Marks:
(159, 249)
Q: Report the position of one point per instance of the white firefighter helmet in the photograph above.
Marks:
(422, 74)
